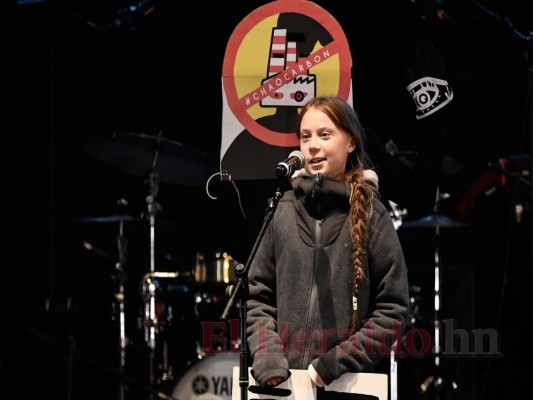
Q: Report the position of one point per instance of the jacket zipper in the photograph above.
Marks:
(312, 296)
(317, 185)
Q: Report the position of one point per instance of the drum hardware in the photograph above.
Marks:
(414, 304)
(160, 367)
(397, 214)
(437, 383)
(157, 159)
(171, 326)
(158, 308)
(120, 276)
(122, 257)
(156, 363)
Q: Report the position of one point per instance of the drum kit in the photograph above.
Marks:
(190, 351)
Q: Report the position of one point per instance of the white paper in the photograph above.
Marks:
(302, 388)
(362, 383)
(299, 384)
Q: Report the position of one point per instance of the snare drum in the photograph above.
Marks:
(209, 379)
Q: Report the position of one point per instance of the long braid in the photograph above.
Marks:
(361, 196)
(345, 118)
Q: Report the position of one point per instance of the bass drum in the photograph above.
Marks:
(209, 379)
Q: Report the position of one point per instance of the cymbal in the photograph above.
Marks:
(110, 218)
(433, 221)
(139, 154)
(121, 218)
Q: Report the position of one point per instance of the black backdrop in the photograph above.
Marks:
(71, 74)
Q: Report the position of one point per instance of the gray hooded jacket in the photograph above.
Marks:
(301, 287)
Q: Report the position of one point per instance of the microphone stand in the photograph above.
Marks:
(241, 291)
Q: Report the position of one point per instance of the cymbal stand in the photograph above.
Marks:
(150, 312)
(119, 296)
(152, 210)
(437, 380)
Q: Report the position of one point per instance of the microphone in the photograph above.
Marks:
(287, 167)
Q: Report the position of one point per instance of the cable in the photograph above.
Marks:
(225, 176)
(207, 186)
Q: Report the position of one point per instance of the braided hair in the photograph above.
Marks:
(361, 190)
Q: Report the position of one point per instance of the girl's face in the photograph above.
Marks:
(324, 146)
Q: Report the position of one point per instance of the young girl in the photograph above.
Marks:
(328, 288)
